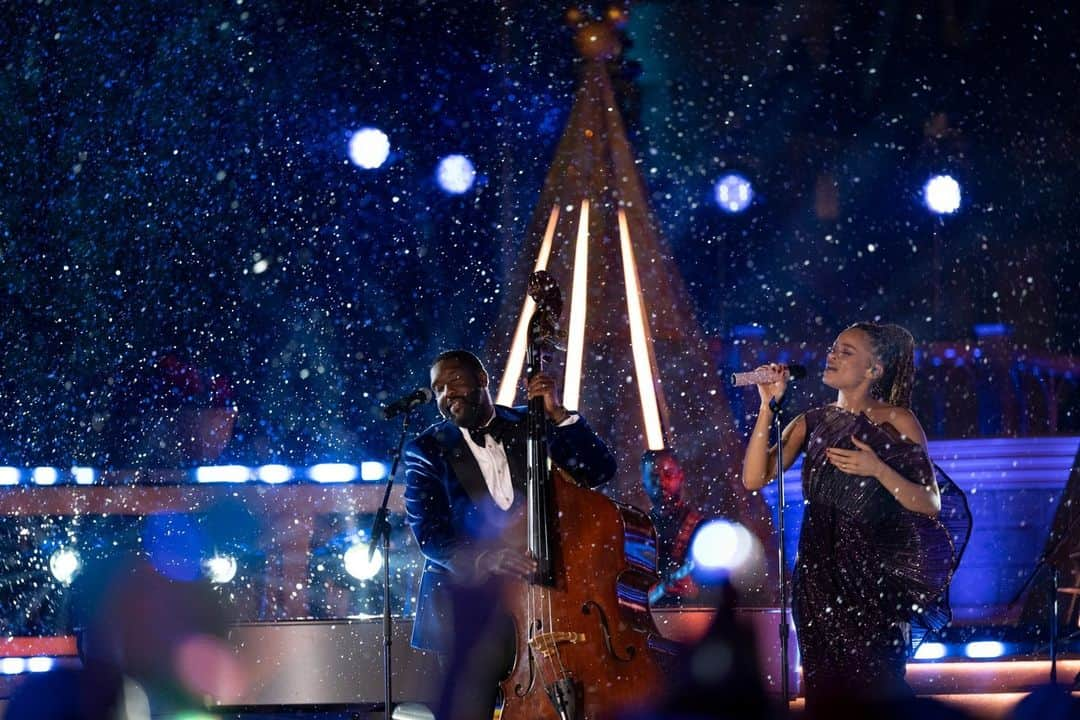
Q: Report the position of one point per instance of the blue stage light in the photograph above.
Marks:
(333, 472)
(983, 330)
(10, 475)
(941, 194)
(84, 475)
(369, 147)
(748, 331)
(733, 193)
(930, 651)
(983, 649)
(455, 174)
(357, 564)
(274, 474)
(371, 470)
(64, 564)
(222, 474)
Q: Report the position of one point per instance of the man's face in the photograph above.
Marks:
(461, 394)
(662, 478)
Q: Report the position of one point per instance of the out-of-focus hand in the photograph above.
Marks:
(506, 561)
(543, 385)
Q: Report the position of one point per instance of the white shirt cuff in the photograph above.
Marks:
(570, 420)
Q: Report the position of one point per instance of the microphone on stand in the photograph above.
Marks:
(765, 375)
(420, 396)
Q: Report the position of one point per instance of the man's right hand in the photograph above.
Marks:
(505, 561)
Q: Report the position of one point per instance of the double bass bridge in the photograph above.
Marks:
(547, 644)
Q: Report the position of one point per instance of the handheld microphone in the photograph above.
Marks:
(758, 377)
(420, 396)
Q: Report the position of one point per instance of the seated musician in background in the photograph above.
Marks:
(465, 482)
(675, 521)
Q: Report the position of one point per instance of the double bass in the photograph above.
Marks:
(586, 644)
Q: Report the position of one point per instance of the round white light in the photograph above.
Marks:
(369, 148)
(455, 174)
(64, 563)
(357, 563)
(220, 568)
(721, 545)
(733, 193)
(942, 194)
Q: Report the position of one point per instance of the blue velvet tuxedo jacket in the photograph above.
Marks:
(453, 516)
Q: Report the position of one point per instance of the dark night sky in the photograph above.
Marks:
(151, 154)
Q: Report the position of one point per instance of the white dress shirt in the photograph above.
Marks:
(491, 457)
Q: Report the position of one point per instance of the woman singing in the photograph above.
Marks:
(874, 556)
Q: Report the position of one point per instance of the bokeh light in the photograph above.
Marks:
(941, 194)
(369, 147)
(64, 564)
(733, 193)
(220, 569)
(720, 545)
(357, 563)
(455, 174)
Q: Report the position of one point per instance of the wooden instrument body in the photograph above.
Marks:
(581, 621)
(595, 615)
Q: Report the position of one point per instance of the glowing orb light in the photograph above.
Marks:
(357, 563)
(220, 568)
(733, 193)
(721, 546)
(941, 194)
(64, 563)
(369, 147)
(455, 174)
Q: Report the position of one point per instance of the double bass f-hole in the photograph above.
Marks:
(605, 629)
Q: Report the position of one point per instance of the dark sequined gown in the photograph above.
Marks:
(868, 572)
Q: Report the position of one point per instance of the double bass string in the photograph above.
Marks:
(549, 667)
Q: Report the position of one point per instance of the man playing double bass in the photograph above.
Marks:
(465, 481)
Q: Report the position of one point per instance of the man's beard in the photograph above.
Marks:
(474, 414)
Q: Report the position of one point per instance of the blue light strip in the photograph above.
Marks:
(368, 471)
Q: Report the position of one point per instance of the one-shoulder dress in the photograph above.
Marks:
(871, 577)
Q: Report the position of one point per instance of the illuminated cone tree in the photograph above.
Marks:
(636, 361)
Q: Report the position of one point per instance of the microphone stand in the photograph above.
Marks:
(1048, 559)
(777, 406)
(380, 531)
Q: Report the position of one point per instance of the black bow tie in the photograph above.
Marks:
(499, 429)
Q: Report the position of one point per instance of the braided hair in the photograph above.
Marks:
(895, 348)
